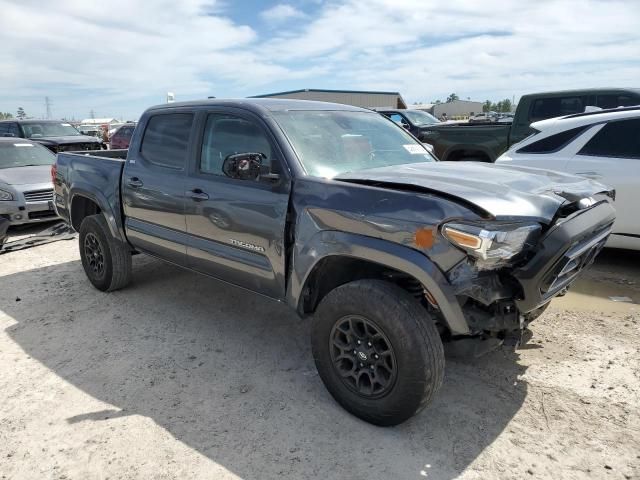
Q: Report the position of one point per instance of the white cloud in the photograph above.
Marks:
(487, 49)
(125, 57)
(281, 12)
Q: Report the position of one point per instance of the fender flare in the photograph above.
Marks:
(333, 243)
(101, 200)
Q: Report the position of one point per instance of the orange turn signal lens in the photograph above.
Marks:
(463, 239)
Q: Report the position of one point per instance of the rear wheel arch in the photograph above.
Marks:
(83, 204)
(82, 207)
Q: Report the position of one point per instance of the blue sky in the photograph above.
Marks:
(120, 57)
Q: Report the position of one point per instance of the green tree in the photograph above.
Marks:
(5, 115)
(506, 105)
(452, 98)
(21, 115)
(486, 106)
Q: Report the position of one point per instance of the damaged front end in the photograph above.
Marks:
(501, 294)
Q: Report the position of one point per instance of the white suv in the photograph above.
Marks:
(603, 145)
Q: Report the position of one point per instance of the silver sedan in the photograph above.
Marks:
(26, 189)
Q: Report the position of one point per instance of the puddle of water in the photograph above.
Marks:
(591, 295)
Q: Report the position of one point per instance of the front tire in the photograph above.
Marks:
(377, 350)
(106, 260)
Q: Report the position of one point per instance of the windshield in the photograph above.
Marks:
(419, 118)
(22, 154)
(330, 143)
(49, 129)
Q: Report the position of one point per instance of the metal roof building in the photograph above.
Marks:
(347, 97)
(457, 108)
(99, 121)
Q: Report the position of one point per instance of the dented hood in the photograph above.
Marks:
(501, 191)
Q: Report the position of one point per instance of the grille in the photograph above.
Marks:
(576, 259)
(41, 214)
(39, 195)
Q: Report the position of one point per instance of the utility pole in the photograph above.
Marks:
(91, 114)
(47, 104)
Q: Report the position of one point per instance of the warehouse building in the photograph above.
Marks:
(457, 109)
(347, 97)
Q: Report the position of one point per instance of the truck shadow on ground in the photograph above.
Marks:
(231, 375)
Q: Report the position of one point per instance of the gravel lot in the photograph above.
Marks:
(180, 376)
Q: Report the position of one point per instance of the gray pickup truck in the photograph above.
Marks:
(346, 217)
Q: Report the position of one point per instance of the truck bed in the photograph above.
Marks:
(94, 176)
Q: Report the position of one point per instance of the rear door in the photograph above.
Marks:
(153, 186)
(612, 156)
(553, 151)
(236, 227)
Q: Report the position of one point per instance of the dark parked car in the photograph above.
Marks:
(412, 120)
(342, 215)
(26, 191)
(122, 136)
(485, 141)
(56, 135)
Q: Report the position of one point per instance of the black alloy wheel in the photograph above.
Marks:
(94, 254)
(363, 356)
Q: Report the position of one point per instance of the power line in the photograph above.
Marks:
(47, 104)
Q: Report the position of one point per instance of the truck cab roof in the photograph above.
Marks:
(262, 105)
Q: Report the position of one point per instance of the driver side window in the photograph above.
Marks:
(399, 119)
(226, 135)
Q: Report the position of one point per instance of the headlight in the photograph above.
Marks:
(5, 196)
(493, 245)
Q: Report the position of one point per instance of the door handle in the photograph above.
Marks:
(198, 195)
(135, 182)
(591, 175)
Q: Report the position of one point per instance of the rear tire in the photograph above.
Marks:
(106, 260)
(398, 366)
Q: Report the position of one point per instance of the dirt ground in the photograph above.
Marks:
(180, 376)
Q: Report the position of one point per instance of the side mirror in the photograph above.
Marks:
(406, 126)
(248, 166)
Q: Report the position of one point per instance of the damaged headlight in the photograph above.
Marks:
(493, 245)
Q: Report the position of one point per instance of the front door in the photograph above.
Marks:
(153, 187)
(236, 227)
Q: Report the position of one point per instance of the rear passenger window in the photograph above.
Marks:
(226, 135)
(544, 108)
(619, 139)
(9, 130)
(166, 139)
(554, 142)
(615, 101)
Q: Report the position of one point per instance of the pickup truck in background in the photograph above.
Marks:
(346, 217)
(484, 142)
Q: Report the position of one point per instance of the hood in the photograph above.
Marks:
(502, 191)
(26, 175)
(66, 139)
